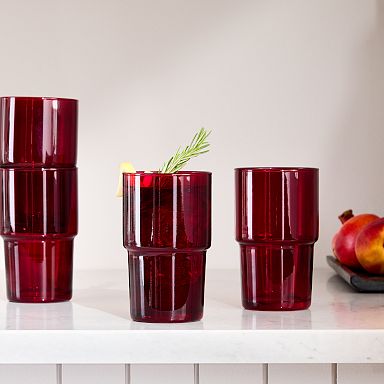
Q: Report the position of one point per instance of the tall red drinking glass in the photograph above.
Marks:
(167, 230)
(277, 219)
(38, 184)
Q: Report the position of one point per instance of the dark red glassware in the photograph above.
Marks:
(167, 230)
(38, 132)
(277, 219)
(38, 225)
(38, 150)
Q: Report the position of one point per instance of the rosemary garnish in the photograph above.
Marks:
(197, 147)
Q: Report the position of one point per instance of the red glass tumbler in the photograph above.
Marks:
(38, 225)
(277, 219)
(38, 132)
(167, 230)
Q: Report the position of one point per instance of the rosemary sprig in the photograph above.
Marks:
(197, 147)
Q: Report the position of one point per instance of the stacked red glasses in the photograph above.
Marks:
(38, 183)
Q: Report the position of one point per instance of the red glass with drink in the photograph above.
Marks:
(167, 230)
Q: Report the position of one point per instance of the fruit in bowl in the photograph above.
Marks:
(343, 243)
(369, 247)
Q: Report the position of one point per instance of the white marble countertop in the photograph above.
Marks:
(341, 326)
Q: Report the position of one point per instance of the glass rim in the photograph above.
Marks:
(157, 173)
(42, 98)
(36, 169)
(276, 169)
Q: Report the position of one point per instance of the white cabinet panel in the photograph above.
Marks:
(27, 373)
(161, 373)
(299, 373)
(230, 373)
(93, 374)
(361, 373)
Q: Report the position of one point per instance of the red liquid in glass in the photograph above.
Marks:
(276, 226)
(167, 230)
(38, 225)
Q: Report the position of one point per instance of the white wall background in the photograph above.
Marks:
(297, 82)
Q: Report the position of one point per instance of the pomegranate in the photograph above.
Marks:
(343, 243)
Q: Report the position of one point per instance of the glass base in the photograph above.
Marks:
(268, 306)
(276, 277)
(166, 287)
(38, 270)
